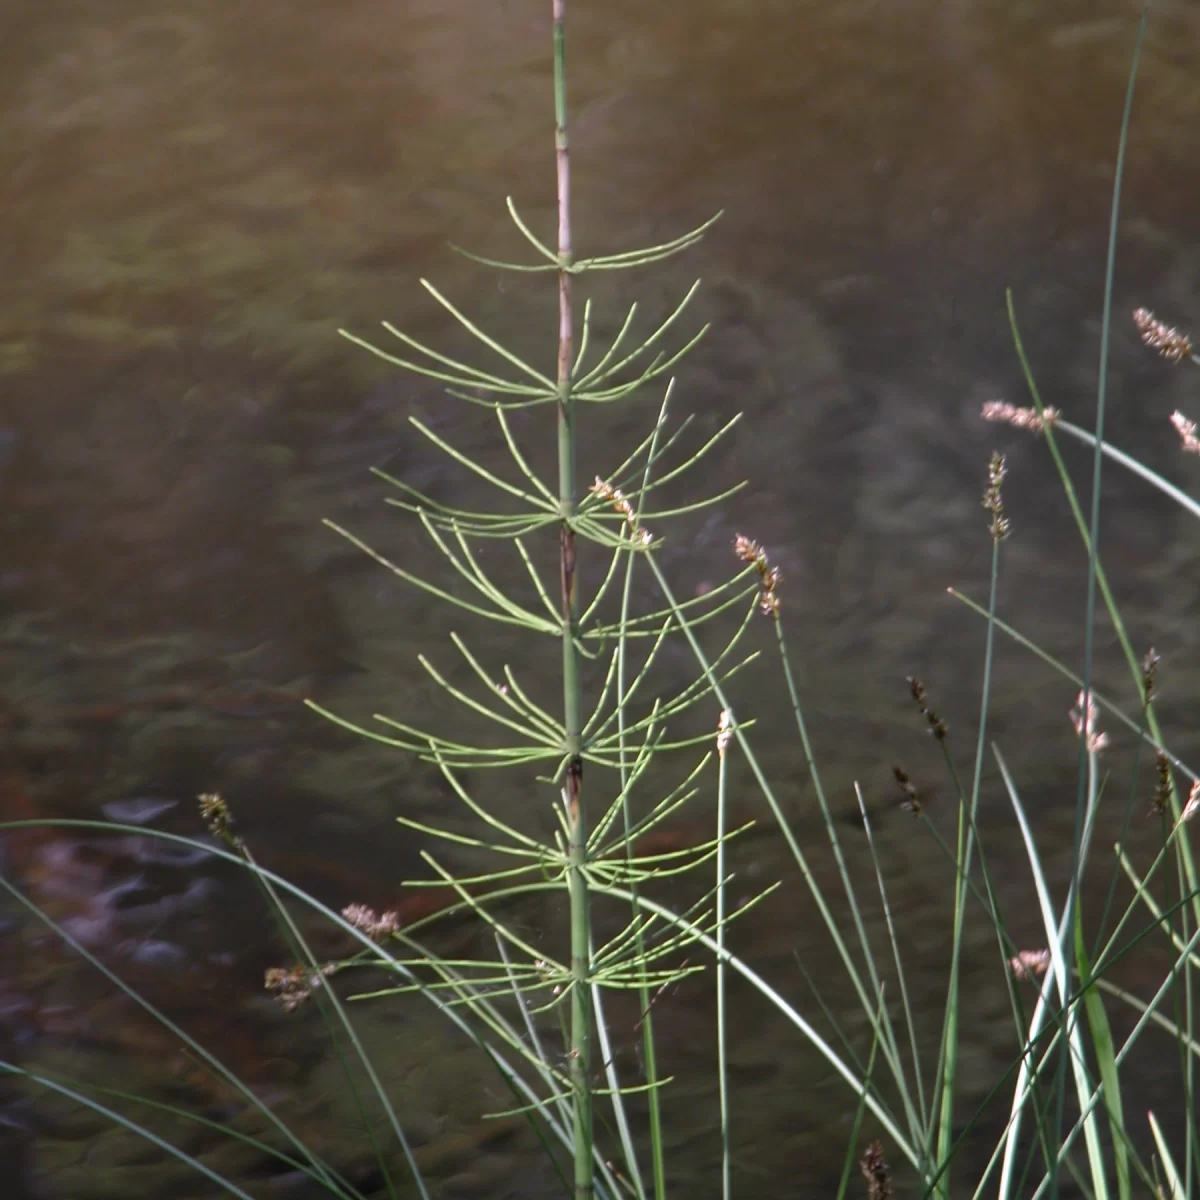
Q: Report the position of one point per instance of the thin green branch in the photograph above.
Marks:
(471, 377)
(503, 617)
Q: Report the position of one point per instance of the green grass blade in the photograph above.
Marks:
(922, 1131)
(1102, 1044)
(1174, 1189)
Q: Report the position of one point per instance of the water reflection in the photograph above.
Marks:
(200, 197)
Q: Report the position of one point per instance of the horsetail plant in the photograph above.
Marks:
(626, 727)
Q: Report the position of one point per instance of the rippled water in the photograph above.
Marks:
(195, 199)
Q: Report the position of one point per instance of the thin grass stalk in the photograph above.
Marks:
(1027, 1073)
(1189, 1077)
(851, 1055)
(1008, 948)
(1069, 1000)
(1081, 797)
(1186, 1024)
(338, 1186)
(1159, 915)
(1174, 1185)
(1185, 1021)
(1150, 736)
(906, 1004)
(722, 881)
(1115, 874)
(1189, 1046)
(573, 801)
(1186, 502)
(531, 1030)
(1102, 1044)
(649, 1051)
(966, 846)
(608, 1056)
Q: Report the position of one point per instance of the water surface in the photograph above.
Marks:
(196, 199)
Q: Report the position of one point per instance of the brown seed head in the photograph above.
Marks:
(751, 552)
(992, 499)
(937, 726)
(912, 798)
(294, 985)
(1149, 672)
(876, 1172)
(215, 812)
(1162, 787)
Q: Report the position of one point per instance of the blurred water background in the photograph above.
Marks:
(196, 197)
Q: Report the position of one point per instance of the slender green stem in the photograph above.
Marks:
(722, 1050)
(1081, 798)
(966, 845)
(649, 1050)
(573, 802)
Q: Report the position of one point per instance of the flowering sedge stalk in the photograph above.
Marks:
(968, 812)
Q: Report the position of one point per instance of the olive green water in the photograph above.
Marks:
(195, 199)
